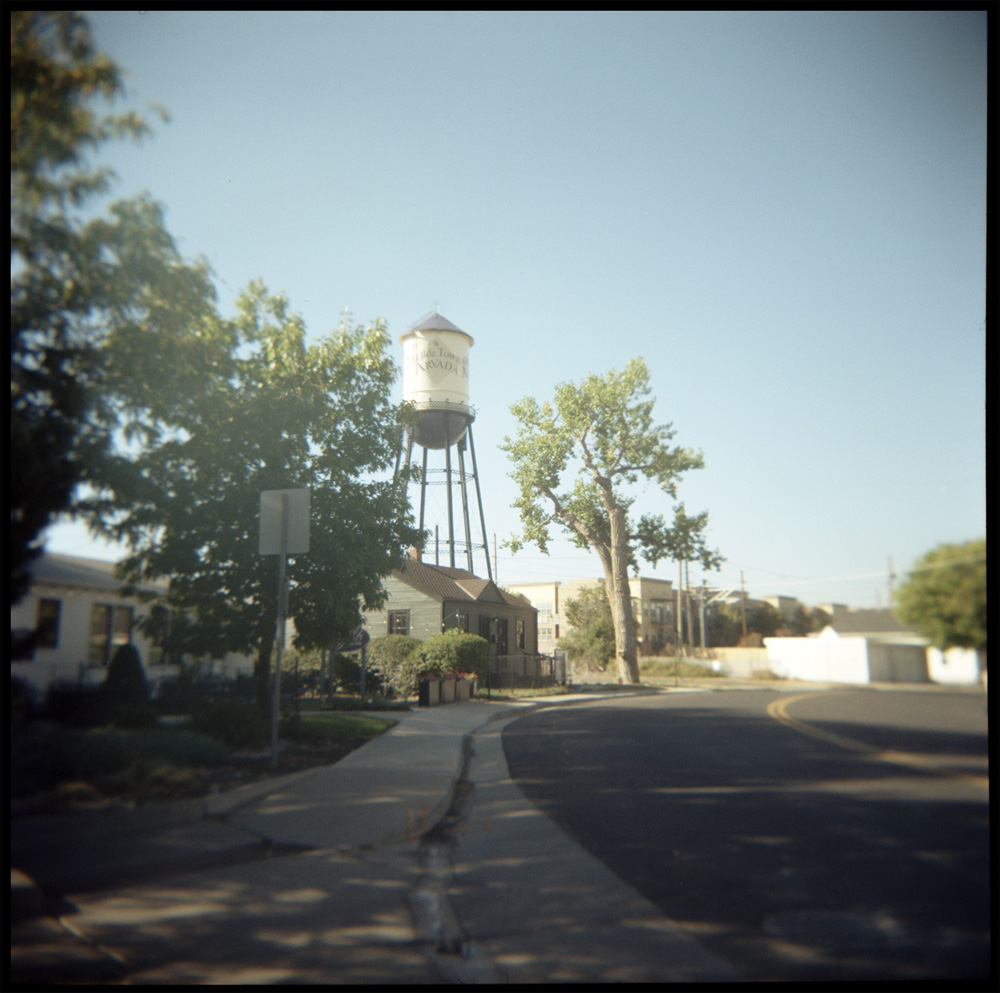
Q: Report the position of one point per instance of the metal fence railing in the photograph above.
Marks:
(527, 671)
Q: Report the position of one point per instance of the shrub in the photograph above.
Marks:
(456, 651)
(347, 676)
(126, 678)
(236, 723)
(44, 755)
(135, 715)
(79, 706)
(395, 658)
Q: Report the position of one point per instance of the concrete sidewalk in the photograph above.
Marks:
(376, 870)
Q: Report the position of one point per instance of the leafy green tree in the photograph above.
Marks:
(601, 432)
(591, 638)
(109, 325)
(807, 621)
(724, 625)
(285, 415)
(944, 596)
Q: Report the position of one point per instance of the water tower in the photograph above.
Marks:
(436, 383)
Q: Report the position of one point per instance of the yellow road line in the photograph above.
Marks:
(778, 709)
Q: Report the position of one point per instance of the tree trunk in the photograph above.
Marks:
(620, 599)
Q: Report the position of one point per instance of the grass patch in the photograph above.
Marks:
(665, 668)
(324, 728)
(339, 702)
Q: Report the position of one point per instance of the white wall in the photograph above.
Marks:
(956, 666)
(831, 660)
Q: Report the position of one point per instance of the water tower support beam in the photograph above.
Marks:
(451, 512)
(465, 501)
(423, 491)
(479, 499)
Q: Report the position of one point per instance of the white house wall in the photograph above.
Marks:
(66, 662)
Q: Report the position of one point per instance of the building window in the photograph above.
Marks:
(399, 622)
(519, 634)
(484, 629)
(47, 624)
(157, 633)
(502, 636)
(109, 628)
(463, 622)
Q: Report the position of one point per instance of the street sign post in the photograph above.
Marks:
(284, 531)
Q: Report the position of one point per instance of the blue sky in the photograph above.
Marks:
(783, 214)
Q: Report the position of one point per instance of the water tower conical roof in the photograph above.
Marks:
(436, 323)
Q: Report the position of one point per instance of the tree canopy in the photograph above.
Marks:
(600, 433)
(109, 325)
(944, 596)
(284, 414)
(591, 638)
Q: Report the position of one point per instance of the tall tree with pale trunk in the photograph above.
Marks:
(574, 460)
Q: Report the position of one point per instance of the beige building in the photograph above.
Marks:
(653, 605)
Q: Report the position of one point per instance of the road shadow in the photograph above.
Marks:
(789, 857)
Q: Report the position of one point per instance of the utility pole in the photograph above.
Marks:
(687, 585)
(680, 620)
(701, 612)
(892, 578)
(743, 607)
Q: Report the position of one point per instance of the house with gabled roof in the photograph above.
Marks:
(75, 615)
(425, 600)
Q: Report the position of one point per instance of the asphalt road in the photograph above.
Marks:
(821, 836)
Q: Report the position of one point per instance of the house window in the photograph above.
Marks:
(502, 636)
(109, 628)
(157, 632)
(519, 634)
(47, 624)
(399, 622)
(463, 622)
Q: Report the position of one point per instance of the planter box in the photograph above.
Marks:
(434, 691)
(430, 692)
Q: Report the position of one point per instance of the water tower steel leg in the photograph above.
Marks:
(465, 502)
(423, 491)
(451, 512)
(479, 498)
(399, 452)
(404, 455)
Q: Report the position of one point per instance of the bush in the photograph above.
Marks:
(126, 678)
(236, 723)
(80, 706)
(347, 676)
(44, 755)
(455, 651)
(135, 715)
(395, 658)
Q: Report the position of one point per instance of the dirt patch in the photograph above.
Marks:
(149, 782)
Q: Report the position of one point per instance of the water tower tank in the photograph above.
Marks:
(436, 380)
